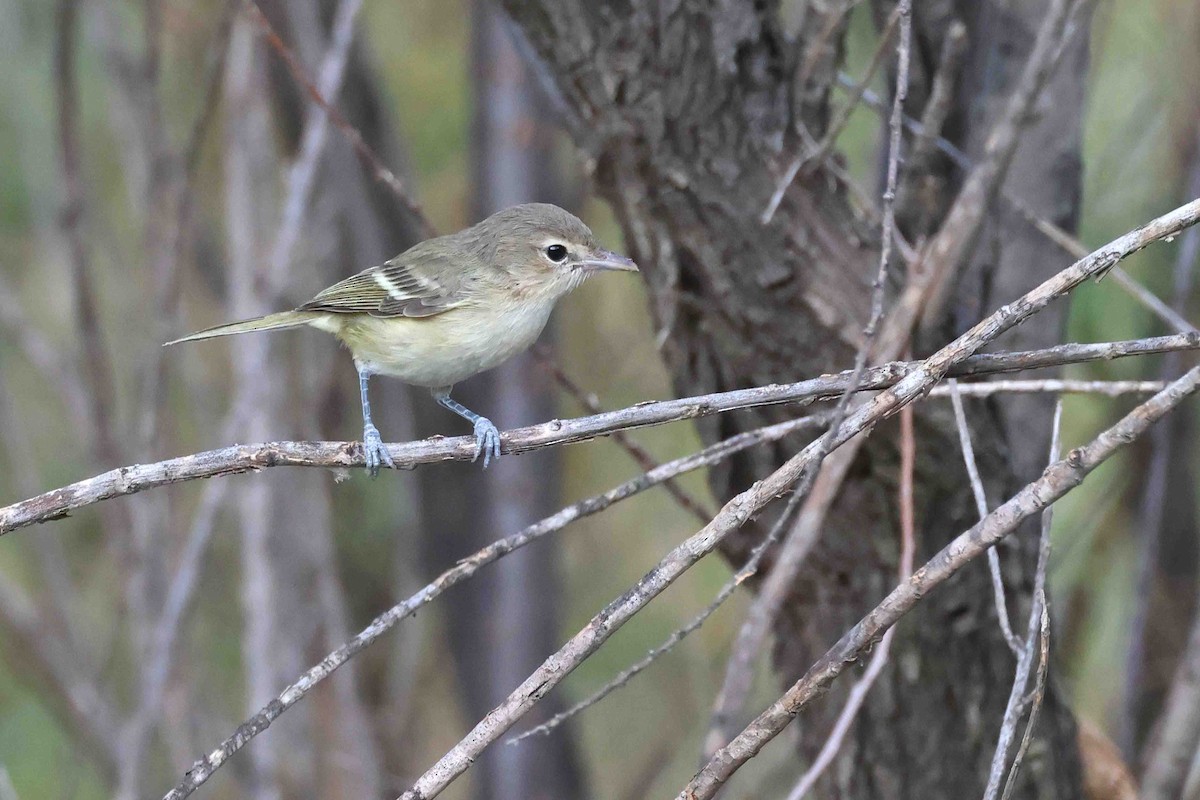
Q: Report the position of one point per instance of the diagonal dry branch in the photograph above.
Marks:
(739, 509)
(1058, 479)
(237, 459)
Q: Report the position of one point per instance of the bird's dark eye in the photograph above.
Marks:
(556, 253)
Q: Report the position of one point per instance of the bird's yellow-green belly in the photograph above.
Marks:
(440, 350)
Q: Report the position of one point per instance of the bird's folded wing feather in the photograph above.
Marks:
(398, 288)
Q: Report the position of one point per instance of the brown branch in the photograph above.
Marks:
(1058, 479)
(372, 162)
(238, 459)
(739, 509)
(203, 769)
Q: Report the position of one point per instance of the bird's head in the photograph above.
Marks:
(545, 250)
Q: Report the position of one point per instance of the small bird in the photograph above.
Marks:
(450, 307)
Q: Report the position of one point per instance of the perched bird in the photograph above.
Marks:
(450, 307)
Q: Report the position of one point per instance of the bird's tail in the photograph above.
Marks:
(271, 322)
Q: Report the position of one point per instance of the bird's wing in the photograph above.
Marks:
(399, 288)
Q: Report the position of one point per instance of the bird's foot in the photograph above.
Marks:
(375, 450)
(487, 441)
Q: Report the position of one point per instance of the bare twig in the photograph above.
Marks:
(1026, 654)
(954, 241)
(1052, 386)
(1150, 301)
(465, 568)
(1176, 734)
(1057, 480)
(821, 151)
(625, 676)
(1064, 240)
(981, 504)
(639, 454)
(668, 644)
(740, 508)
(1039, 694)
(238, 459)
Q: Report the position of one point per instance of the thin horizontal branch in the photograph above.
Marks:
(1052, 386)
(203, 769)
(238, 459)
(1058, 479)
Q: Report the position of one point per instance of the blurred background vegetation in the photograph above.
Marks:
(1140, 143)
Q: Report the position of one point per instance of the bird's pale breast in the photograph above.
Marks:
(444, 349)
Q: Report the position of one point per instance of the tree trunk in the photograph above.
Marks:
(688, 113)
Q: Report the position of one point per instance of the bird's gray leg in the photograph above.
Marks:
(487, 436)
(373, 447)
